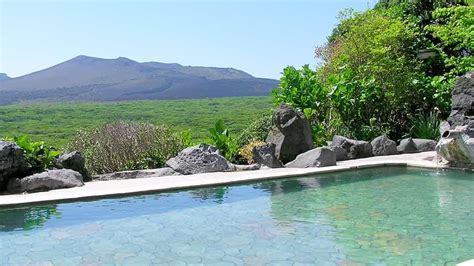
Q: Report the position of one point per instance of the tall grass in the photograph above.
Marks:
(56, 123)
(425, 126)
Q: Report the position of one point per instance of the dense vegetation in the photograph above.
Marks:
(37, 154)
(389, 70)
(56, 123)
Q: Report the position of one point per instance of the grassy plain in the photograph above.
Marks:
(56, 123)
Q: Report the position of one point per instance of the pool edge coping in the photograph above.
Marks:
(148, 185)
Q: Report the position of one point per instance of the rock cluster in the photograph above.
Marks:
(12, 163)
(457, 142)
(16, 174)
(346, 148)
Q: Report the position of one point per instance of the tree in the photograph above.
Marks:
(372, 66)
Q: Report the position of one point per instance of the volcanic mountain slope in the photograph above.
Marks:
(85, 78)
(4, 76)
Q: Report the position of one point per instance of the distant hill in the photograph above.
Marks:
(4, 76)
(85, 78)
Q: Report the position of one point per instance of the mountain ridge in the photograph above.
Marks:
(85, 78)
(4, 76)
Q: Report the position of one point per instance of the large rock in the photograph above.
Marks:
(12, 163)
(407, 146)
(265, 155)
(48, 180)
(201, 158)
(291, 133)
(457, 147)
(462, 112)
(341, 153)
(355, 148)
(166, 171)
(73, 161)
(457, 142)
(318, 157)
(425, 144)
(382, 145)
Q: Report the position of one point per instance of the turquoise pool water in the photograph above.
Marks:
(385, 216)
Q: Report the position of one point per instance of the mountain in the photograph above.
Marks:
(85, 78)
(4, 76)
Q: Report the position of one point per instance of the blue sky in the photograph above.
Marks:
(260, 36)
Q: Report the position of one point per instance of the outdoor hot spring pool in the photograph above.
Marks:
(381, 216)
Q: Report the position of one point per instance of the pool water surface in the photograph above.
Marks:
(382, 216)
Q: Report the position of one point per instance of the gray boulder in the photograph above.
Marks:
(48, 180)
(201, 158)
(407, 146)
(265, 155)
(457, 142)
(12, 163)
(291, 133)
(318, 157)
(382, 145)
(425, 144)
(355, 149)
(462, 111)
(73, 161)
(341, 153)
(457, 147)
(166, 171)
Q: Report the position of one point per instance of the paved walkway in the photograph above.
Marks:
(103, 189)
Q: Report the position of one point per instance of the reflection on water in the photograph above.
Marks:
(217, 193)
(30, 218)
(27, 218)
(384, 215)
(35, 217)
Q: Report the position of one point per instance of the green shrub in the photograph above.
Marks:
(221, 138)
(303, 89)
(37, 154)
(256, 131)
(376, 76)
(425, 126)
(246, 151)
(120, 146)
(453, 34)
